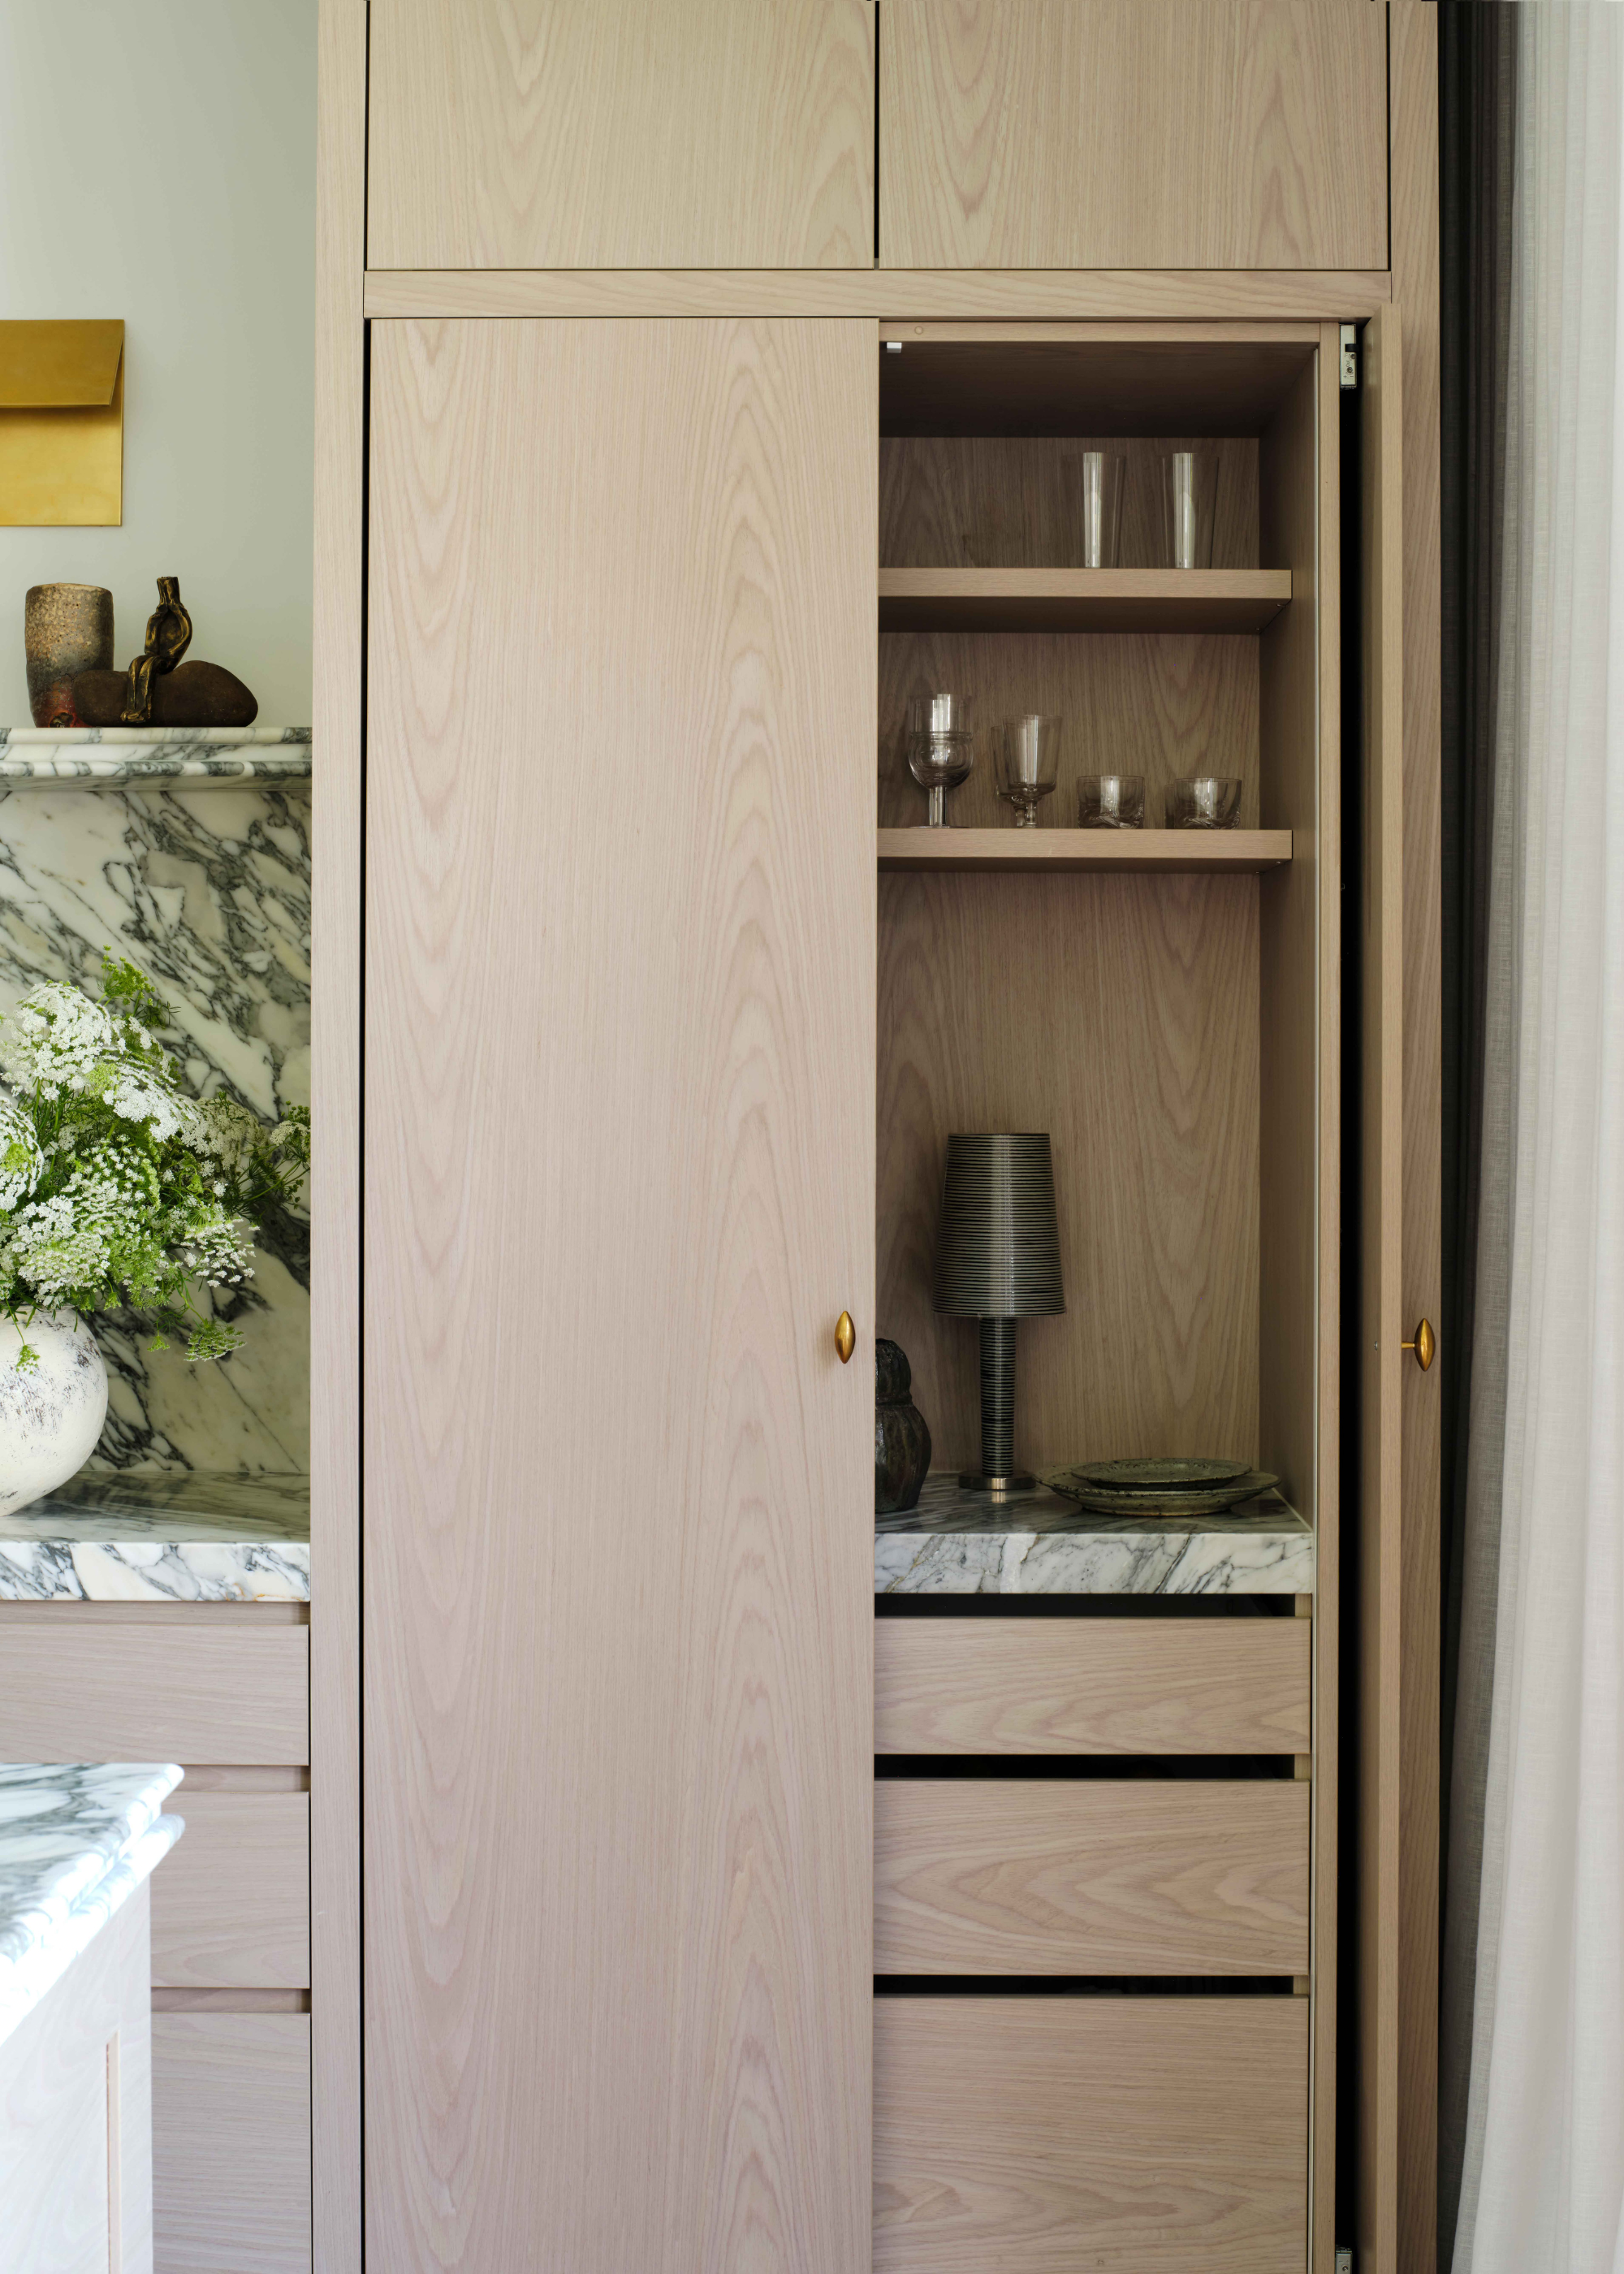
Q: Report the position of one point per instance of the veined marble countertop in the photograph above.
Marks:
(97, 754)
(75, 1843)
(1036, 1543)
(130, 1536)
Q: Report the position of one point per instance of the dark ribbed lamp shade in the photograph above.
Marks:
(998, 1260)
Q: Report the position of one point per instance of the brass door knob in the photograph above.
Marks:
(1425, 1346)
(846, 1336)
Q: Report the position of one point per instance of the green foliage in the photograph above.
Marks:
(116, 1187)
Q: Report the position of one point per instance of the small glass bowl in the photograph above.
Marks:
(1205, 802)
(1110, 801)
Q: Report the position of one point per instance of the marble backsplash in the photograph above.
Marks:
(192, 857)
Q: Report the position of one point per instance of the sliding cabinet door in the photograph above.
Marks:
(1383, 1325)
(620, 1188)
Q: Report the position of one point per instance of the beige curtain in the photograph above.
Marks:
(1542, 2178)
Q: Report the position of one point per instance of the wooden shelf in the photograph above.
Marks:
(1081, 600)
(1123, 851)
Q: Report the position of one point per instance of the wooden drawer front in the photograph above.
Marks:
(1128, 2135)
(1091, 1686)
(230, 2144)
(147, 1693)
(1090, 1877)
(231, 1907)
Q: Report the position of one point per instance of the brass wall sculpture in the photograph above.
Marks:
(62, 425)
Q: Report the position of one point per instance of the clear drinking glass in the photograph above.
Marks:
(941, 748)
(1188, 501)
(1205, 802)
(1026, 763)
(1111, 802)
(1091, 485)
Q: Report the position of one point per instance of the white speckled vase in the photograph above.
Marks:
(51, 1413)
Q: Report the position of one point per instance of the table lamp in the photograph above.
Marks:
(998, 1260)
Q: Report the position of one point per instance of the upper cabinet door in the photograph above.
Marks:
(620, 134)
(1134, 134)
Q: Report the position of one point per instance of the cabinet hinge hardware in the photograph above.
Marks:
(893, 347)
(1344, 2256)
(1351, 378)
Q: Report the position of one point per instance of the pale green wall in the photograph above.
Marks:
(157, 162)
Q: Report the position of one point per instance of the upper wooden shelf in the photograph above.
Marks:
(1126, 852)
(1081, 600)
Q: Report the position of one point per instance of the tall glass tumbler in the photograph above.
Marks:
(1189, 502)
(1092, 486)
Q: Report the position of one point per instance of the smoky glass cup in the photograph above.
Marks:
(1026, 765)
(1203, 801)
(1091, 489)
(1111, 802)
(941, 749)
(1189, 507)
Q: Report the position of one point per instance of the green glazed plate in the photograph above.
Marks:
(1190, 1500)
(1159, 1475)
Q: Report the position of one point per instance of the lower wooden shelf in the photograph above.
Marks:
(1121, 852)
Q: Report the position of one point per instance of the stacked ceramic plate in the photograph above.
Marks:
(1160, 1487)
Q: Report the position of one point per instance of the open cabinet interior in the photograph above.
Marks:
(1158, 1001)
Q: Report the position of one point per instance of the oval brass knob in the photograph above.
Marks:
(1425, 1346)
(846, 1336)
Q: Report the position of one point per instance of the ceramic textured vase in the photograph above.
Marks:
(50, 1412)
(67, 629)
(901, 1440)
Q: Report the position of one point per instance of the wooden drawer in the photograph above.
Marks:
(230, 2144)
(1090, 1877)
(1128, 2135)
(231, 1906)
(96, 1691)
(1091, 1686)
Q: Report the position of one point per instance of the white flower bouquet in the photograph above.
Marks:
(116, 1186)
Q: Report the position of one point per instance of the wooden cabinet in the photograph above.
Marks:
(1172, 2133)
(151, 1688)
(619, 1178)
(232, 1911)
(632, 134)
(232, 2143)
(1160, 134)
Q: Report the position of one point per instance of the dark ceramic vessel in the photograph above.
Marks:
(901, 1440)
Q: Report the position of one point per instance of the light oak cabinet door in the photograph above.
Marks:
(619, 1084)
(627, 134)
(1134, 134)
(231, 2136)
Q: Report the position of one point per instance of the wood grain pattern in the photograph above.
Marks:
(1413, 35)
(1013, 501)
(232, 1903)
(650, 133)
(1160, 705)
(76, 2115)
(1091, 1686)
(1382, 1249)
(1240, 134)
(1120, 1015)
(1083, 1877)
(144, 1692)
(1121, 853)
(907, 294)
(1081, 599)
(231, 2169)
(618, 2009)
(1147, 2136)
(1123, 380)
(335, 1183)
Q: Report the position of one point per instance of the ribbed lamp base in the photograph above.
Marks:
(997, 1472)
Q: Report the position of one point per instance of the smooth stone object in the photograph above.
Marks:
(901, 1440)
(67, 630)
(192, 695)
(50, 1412)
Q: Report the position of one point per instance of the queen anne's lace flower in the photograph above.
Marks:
(116, 1187)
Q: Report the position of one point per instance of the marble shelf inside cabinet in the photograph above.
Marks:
(147, 1537)
(92, 757)
(958, 1542)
